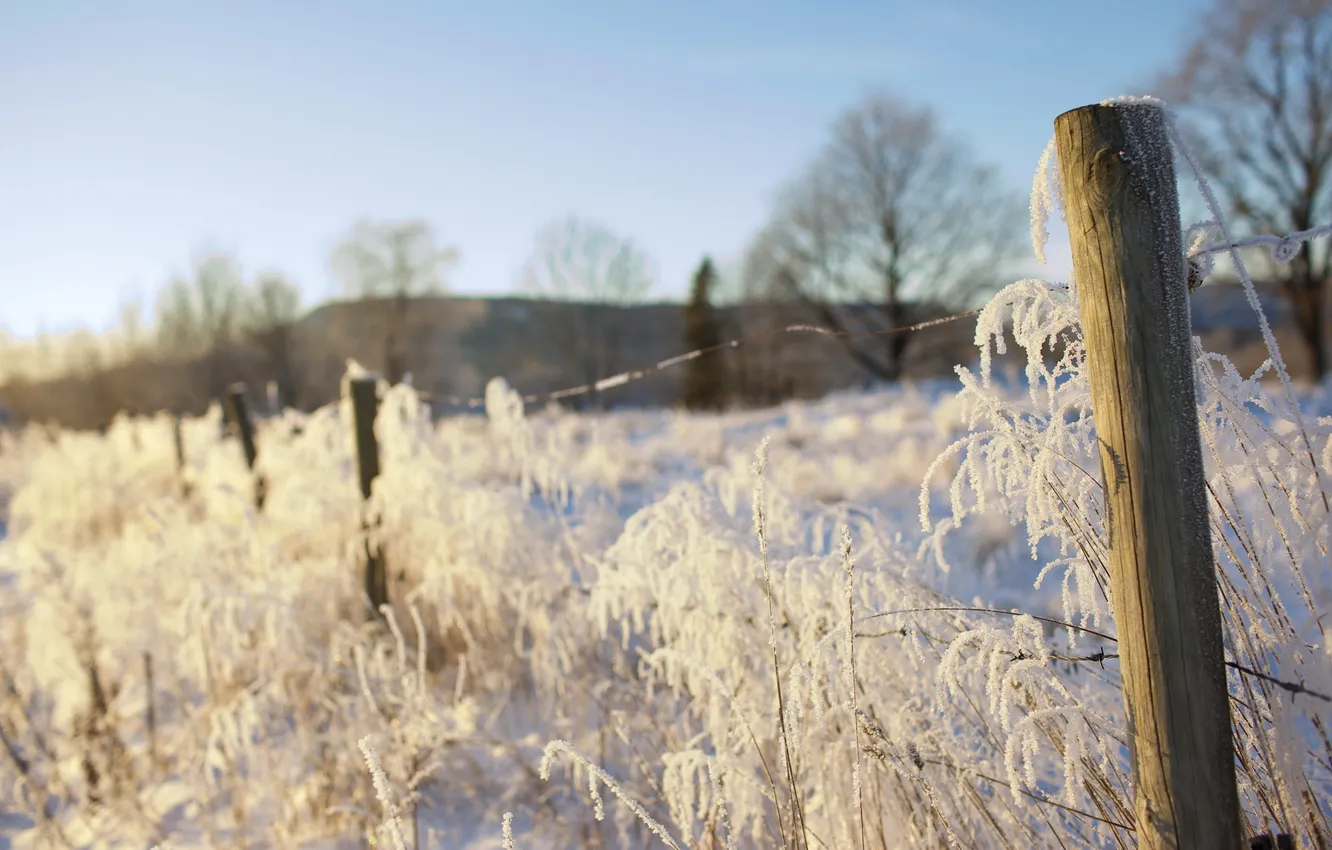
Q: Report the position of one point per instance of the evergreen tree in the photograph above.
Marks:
(705, 382)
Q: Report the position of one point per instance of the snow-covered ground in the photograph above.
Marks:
(587, 614)
(510, 528)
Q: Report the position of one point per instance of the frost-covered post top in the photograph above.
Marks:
(1122, 208)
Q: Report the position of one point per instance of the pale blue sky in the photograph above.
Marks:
(132, 135)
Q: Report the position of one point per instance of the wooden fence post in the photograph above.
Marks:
(180, 452)
(365, 405)
(180, 440)
(1122, 208)
(240, 419)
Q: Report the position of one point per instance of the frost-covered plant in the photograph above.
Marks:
(1033, 460)
(687, 584)
(1027, 718)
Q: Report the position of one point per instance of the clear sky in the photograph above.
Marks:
(134, 135)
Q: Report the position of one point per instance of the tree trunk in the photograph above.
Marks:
(895, 343)
(395, 366)
(1306, 295)
(1309, 320)
(894, 312)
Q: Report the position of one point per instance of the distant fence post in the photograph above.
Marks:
(240, 418)
(365, 405)
(180, 452)
(1122, 208)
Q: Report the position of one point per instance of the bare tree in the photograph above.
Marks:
(393, 261)
(594, 273)
(129, 333)
(1255, 95)
(198, 317)
(273, 308)
(891, 211)
(763, 299)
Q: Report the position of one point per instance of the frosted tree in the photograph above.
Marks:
(764, 286)
(593, 271)
(199, 316)
(393, 262)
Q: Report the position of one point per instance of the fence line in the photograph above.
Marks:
(632, 375)
(1283, 249)
(1139, 360)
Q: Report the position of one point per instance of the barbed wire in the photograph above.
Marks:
(1283, 248)
(971, 609)
(1101, 656)
(632, 375)
(1294, 688)
(1098, 657)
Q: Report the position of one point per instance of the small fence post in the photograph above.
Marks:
(240, 419)
(365, 405)
(180, 452)
(1122, 208)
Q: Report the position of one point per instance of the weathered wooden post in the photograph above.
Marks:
(365, 405)
(240, 420)
(1122, 208)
